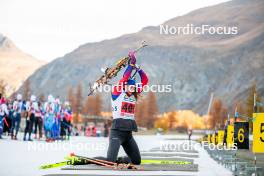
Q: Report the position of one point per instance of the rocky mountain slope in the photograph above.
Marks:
(15, 65)
(195, 65)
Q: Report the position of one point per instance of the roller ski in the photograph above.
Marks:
(81, 160)
(121, 164)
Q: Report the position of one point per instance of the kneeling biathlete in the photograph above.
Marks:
(124, 97)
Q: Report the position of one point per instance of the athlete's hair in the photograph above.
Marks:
(135, 95)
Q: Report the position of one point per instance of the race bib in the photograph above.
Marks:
(128, 108)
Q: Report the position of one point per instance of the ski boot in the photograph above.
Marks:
(29, 137)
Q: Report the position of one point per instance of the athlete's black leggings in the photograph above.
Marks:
(29, 126)
(38, 126)
(127, 141)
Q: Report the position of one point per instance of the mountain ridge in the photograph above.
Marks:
(194, 65)
(15, 65)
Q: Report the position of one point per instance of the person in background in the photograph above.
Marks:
(9, 118)
(94, 130)
(38, 121)
(189, 133)
(63, 124)
(18, 108)
(75, 131)
(106, 129)
(84, 129)
(56, 126)
(67, 119)
(88, 131)
(30, 119)
(225, 132)
(3, 114)
(49, 118)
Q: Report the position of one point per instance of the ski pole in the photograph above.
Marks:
(99, 160)
(93, 161)
(107, 163)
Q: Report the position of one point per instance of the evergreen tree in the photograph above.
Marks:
(78, 103)
(150, 110)
(172, 120)
(218, 114)
(140, 107)
(97, 105)
(71, 98)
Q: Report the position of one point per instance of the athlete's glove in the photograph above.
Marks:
(132, 57)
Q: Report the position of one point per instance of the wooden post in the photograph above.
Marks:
(255, 103)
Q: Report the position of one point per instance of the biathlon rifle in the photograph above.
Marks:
(110, 73)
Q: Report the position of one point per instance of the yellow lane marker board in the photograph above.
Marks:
(230, 135)
(220, 136)
(216, 138)
(241, 135)
(258, 133)
(213, 138)
(209, 138)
